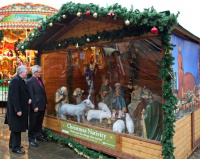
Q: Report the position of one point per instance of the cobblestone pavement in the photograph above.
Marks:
(47, 150)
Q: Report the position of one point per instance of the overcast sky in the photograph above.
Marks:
(189, 16)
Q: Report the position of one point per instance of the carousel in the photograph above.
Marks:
(17, 21)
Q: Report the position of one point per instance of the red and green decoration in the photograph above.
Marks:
(136, 23)
(4, 82)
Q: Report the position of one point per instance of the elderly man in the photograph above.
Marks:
(37, 110)
(17, 109)
(61, 97)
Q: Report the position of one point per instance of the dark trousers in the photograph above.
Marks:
(35, 125)
(15, 140)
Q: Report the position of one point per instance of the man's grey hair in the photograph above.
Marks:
(21, 69)
(35, 68)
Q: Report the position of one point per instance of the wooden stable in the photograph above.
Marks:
(187, 129)
(56, 68)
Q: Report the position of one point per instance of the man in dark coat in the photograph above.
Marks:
(37, 110)
(17, 109)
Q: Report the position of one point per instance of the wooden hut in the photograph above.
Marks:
(127, 47)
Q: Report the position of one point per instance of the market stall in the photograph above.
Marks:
(118, 63)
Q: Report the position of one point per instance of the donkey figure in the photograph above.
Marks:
(75, 110)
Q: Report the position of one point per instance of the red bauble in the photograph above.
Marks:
(16, 49)
(28, 40)
(4, 82)
(39, 27)
(154, 30)
(88, 12)
(111, 15)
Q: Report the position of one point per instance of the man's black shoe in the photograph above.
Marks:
(41, 139)
(18, 151)
(19, 147)
(33, 144)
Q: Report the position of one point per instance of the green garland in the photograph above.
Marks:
(81, 150)
(140, 23)
(5, 82)
(1, 35)
(168, 107)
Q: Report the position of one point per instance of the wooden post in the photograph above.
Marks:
(118, 143)
(193, 130)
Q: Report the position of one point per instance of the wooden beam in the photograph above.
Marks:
(52, 37)
(105, 20)
(67, 28)
(62, 24)
(179, 30)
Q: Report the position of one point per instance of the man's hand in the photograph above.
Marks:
(36, 110)
(29, 101)
(19, 113)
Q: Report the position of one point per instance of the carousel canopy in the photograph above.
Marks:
(24, 16)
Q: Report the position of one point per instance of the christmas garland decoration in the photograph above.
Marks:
(4, 82)
(1, 35)
(81, 150)
(142, 23)
(136, 23)
(168, 107)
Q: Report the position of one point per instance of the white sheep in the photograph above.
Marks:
(129, 124)
(104, 107)
(119, 126)
(98, 114)
(75, 110)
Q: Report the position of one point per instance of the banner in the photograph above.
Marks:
(89, 134)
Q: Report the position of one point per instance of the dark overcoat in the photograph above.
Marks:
(17, 101)
(37, 94)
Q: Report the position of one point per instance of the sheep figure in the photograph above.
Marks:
(75, 110)
(119, 126)
(104, 107)
(98, 114)
(129, 124)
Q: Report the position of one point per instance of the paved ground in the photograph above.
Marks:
(48, 150)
